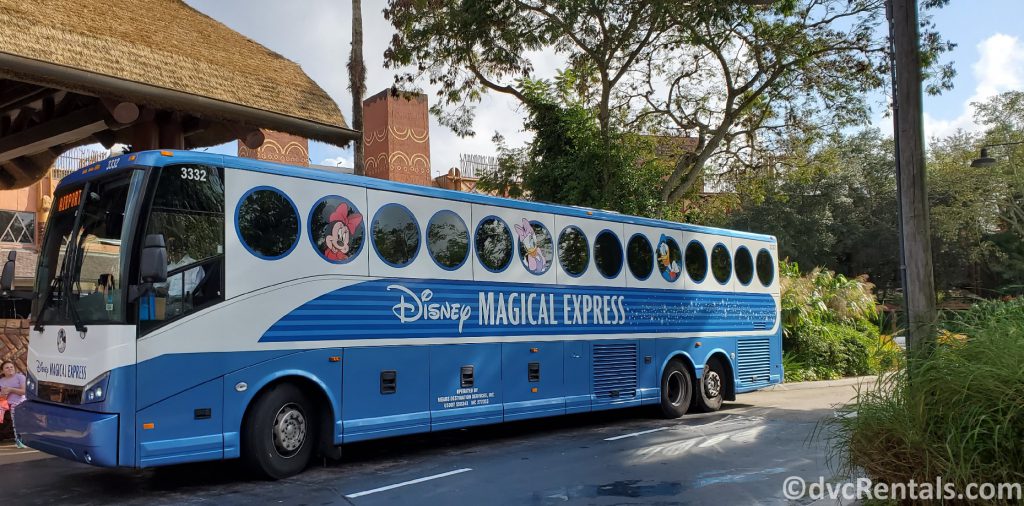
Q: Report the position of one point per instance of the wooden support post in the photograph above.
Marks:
(145, 135)
(171, 134)
(912, 190)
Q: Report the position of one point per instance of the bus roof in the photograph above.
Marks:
(171, 157)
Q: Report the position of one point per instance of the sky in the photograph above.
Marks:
(316, 34)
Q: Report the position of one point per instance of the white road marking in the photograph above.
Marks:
(635, 434)
(410, 482)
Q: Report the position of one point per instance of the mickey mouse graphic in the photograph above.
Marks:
(341, 227)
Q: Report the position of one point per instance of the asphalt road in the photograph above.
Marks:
(740, 455)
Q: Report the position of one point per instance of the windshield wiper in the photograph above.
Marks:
(48, 297)
(68, 289)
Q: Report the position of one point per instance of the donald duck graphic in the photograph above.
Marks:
(669, 268)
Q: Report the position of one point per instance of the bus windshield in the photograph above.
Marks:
(80, 265)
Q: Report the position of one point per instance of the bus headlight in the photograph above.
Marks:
(30, 386)
(96, 390)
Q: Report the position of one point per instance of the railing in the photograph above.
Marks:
(75, 159)
(477, 165)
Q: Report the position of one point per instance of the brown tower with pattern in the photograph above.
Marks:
(396, 137)
(279, 147)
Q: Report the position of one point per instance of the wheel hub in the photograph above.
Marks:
(289, 430)
(712, 384)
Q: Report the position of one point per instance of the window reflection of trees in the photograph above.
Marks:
(448, 239)
(721, 264)
(744, 266)
(640, 256)
(696, 261)
(494, 244)
(268, 223)
(396, 235)
(573, 251)
(765, 268)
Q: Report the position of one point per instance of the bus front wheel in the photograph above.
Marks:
(279, 432)
(676, 389)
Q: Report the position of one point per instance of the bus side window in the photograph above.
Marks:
(188, 209)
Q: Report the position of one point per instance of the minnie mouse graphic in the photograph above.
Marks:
(341, 226)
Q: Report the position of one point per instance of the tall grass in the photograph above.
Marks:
(828, 326)
(959, 415)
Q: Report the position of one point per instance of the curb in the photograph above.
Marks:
(808, 385)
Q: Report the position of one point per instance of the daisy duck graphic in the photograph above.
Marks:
(341, 228)
(534, 257)
(669, 268)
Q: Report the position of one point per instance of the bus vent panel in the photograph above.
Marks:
(615, 367)
(754, 361)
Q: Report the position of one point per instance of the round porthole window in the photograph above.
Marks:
(396, 235)
(448, 240)
(336, 229)
(744, 265)
(721, 264)
(536, 250)
(267, 223)
(640, 256)
(493, 242)
(765, 267)
(573, 251)
(696, 261)
(669, 258)
(608, 254)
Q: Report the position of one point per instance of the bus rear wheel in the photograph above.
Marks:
(279, 434)
(676, 389)
(712, 387)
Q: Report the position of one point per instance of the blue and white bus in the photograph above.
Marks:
(194, 307)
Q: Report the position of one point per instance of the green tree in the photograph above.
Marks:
(560, 164)
(832, 205)
(729, 72)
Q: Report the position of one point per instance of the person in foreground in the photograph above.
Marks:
(12, 393)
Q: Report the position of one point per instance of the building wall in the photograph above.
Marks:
(14, 341)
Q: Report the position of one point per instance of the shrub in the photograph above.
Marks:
(960, 415)
(828, 328)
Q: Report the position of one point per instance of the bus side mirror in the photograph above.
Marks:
(154, 259)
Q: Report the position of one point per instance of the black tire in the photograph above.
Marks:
(676, 389)
(279, 434)
(712, 387)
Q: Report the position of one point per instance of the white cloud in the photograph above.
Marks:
(999, 68)
(338, 161)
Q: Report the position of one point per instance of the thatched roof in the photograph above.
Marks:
(162, 54)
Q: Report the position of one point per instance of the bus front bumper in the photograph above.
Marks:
(69, 433)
